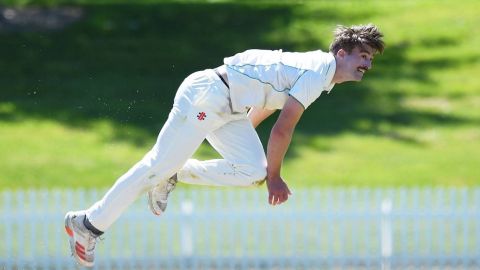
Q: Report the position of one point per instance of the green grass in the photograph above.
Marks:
(79, 106)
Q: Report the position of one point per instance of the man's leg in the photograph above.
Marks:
(175, 144)
(244, 162)
(198, 103)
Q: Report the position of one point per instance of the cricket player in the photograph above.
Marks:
(224, 105)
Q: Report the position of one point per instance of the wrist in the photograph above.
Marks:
(272, 176)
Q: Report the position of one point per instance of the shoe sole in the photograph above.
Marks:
(151, 204)
(71, 241)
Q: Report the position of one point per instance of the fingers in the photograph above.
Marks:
(278, 198)
(270, 198)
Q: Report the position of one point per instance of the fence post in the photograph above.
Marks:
(9, 220)
(386, 234)
(186, 229)
(477, 225)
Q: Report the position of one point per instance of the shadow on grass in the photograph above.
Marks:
(124, 63)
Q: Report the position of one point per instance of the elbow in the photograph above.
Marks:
(281, 133)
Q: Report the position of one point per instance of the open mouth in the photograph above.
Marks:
(362, 70)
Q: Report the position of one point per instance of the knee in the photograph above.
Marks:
(254, 174)
(260, 174)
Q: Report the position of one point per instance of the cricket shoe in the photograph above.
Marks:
(82, 240)
(158, 195)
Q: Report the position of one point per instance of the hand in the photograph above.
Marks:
(277, 191)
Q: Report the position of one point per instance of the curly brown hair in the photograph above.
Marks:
(348, 38)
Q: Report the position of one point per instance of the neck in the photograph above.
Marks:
(338, 77)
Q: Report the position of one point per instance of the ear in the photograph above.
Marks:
(341, 53)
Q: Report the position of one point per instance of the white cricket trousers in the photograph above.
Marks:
(202, 109)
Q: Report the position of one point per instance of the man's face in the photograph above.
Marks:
(355, 64)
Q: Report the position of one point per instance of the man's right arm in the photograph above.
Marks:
(278, 143)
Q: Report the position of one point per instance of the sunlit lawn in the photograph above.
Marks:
(80, 106)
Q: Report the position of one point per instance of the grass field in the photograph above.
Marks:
(81, 103)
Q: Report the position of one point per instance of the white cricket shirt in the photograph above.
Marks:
(265, 78)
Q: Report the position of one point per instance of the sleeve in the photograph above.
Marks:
(307, 88)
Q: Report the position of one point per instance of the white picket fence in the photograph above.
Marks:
(337, 228)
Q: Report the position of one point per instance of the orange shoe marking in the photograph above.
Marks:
(69, 231)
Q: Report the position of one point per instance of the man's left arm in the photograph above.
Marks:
(278, 143)
(257, 115)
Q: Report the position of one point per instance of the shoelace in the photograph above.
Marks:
(171, 183)
(92, 241)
